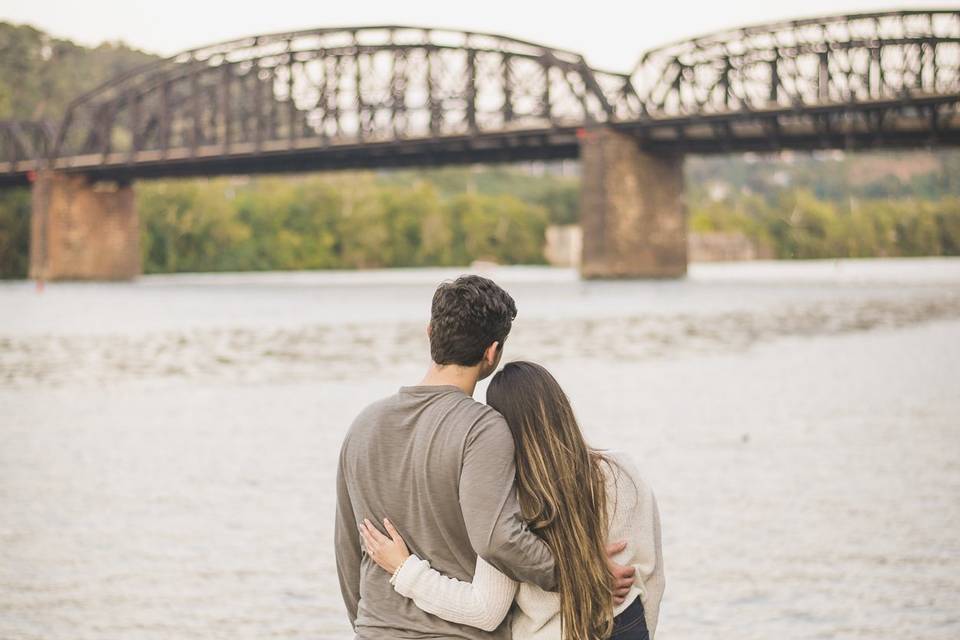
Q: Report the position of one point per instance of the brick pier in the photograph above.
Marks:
(631, 209)
(83, 230)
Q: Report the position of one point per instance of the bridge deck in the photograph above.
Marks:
(921, 122)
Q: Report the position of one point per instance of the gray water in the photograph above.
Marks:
(168, 447)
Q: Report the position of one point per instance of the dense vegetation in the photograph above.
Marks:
(800, 206)
(332, 221)
(832, 205)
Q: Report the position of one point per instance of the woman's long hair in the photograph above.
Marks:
(562, 493)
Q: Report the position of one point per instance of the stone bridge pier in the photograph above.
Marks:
(632, 209)
(83, 229)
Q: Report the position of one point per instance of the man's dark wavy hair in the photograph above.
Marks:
(466, 317)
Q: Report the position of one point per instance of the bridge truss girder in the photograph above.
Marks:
(855, 59)
(396, 96)
(324, 88)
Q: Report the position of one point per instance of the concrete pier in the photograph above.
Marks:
(83, 230)
(631, 209)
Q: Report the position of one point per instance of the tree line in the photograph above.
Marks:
(339, 221)
(797, 224)
(832, 205)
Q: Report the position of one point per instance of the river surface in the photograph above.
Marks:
(168, 447)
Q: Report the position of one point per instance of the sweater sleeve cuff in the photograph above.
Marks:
(411, 569)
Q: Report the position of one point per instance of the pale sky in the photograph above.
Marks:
(610, 34)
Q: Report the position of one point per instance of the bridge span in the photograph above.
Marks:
(392, 96)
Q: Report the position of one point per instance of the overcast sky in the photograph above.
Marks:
(609, 33)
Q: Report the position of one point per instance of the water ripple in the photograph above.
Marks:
(353, 350)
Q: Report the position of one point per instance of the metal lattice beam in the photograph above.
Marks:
(805, 63)
(330, 87)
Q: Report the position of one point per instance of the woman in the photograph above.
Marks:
(577, 499)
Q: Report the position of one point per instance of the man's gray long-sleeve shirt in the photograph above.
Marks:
(440, 465)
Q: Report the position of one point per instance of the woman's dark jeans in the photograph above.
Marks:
(630, 624)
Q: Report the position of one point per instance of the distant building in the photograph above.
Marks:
(717, 190)
(723, 246)
(564, 244)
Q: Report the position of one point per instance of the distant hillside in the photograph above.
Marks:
(830, 175)
(41, 74)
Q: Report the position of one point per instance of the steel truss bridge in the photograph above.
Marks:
(383, 96)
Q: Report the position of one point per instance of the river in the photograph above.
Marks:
(168, 446)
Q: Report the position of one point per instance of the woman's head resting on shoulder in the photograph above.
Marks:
(562, 492)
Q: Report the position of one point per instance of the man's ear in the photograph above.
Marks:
(490, 354)
(429, 329)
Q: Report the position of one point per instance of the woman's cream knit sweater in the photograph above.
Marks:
(485, 602)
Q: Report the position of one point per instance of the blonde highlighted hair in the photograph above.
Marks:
(562, 493)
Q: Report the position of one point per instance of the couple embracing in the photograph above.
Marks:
(457, 519)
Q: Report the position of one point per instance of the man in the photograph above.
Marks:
(441, 466)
